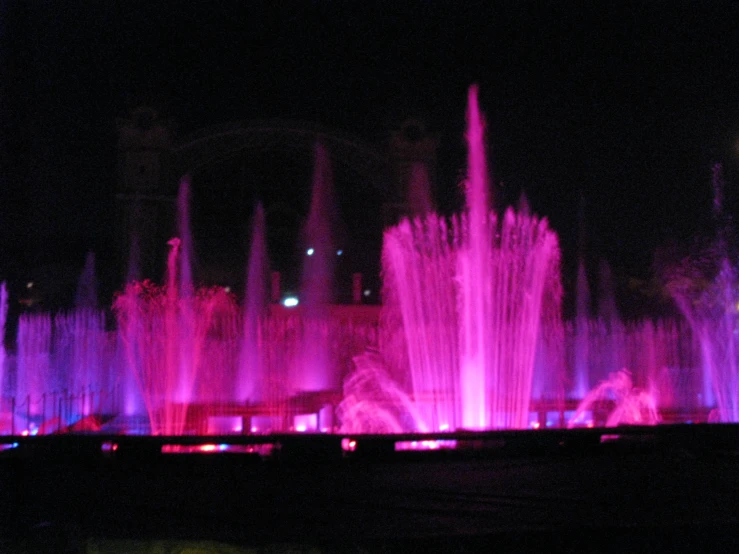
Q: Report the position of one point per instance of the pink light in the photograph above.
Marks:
(535, 425)
(348, 445)
(305, 422)
(426, 445)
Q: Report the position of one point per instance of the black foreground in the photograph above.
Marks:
(671, 487)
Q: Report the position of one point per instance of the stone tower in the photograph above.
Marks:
(413, 151)
(144, 197)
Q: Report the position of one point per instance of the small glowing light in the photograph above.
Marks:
(109, 446)
(29, 285)
(310, 251)
(339, 252)
(367, 292)
(226, 289)
(207, 447)
(290, 302)
(254, 429)
(591, 424)
(425, 445)
(301, 428)
(24, 433)
(348, 445)
(444, 427)
(535, 425)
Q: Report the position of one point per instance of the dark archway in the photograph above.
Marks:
(237, 164)
(211, 145)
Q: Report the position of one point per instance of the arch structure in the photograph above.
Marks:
(215, 144)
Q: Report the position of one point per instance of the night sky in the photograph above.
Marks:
(624, 104)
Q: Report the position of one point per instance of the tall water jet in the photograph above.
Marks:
(317, 284)
(249, 383)
(467, 296)
(185, 246)
(474, 260)
(581, 383)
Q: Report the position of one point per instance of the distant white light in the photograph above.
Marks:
(290, 301)
(227, 289)
(339, 252)
(310, 251)
(29, 285)
(367, 292)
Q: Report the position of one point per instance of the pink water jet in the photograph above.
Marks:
(466, 296)
(250, 379)
(169, 343)
(317, 283)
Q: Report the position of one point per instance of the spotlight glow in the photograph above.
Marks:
(290, 301)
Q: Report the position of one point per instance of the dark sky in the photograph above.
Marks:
(625, 103)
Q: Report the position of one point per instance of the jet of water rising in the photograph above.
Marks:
(249, 383)
(467, 294)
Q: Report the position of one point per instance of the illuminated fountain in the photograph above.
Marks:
(179, 345)
(470, 336)
(466, 299)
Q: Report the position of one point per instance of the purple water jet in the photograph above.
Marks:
(313, 373)
(250, 379)
(3, 320)
(712, 312)
(581, 384)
